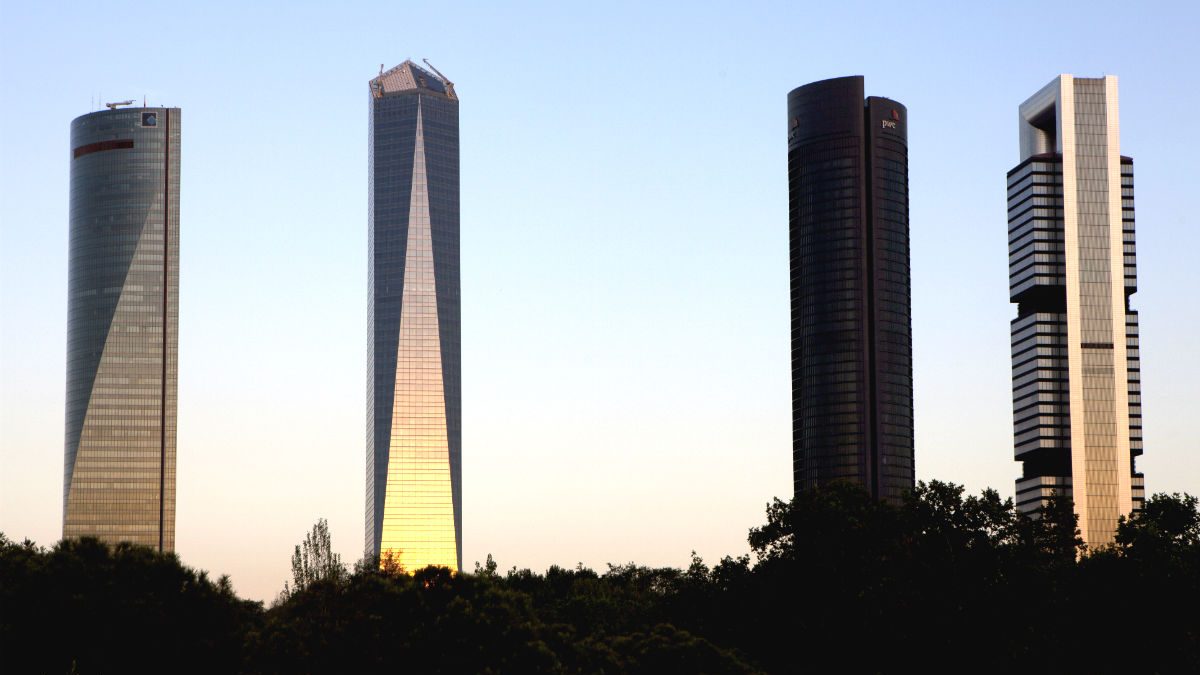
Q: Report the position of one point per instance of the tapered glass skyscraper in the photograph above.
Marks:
(1072, 268)
(122, 319)
(414, 398)
(852, 400)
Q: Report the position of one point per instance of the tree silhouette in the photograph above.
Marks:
(314, 560)
(836, 582)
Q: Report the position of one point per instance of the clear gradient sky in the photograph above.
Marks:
(626, 386)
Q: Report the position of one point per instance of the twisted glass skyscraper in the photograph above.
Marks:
(122, 319)
(852, 400)
(1072, 268)
(414, 399)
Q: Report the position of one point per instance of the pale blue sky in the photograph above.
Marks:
(624, 229)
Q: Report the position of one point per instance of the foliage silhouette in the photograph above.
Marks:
(835, 581)
(90, 608)
(314, 560)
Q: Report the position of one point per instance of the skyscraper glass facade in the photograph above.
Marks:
(852, 402)
(414, 399)
(1072, 268)
(122, 320)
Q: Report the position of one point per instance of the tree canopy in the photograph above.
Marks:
(835, 581)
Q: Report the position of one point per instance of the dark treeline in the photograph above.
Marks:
(837, 582)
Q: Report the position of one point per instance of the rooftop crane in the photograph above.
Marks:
(445, 80)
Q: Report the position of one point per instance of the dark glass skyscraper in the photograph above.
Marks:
(1077, 410)
(852, 400)
(122, 319)
(414, 399)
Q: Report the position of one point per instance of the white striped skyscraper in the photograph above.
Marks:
(1072, 269)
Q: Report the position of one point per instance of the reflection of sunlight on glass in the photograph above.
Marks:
(418, 512)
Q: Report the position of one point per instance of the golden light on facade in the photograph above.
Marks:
(418, 513)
